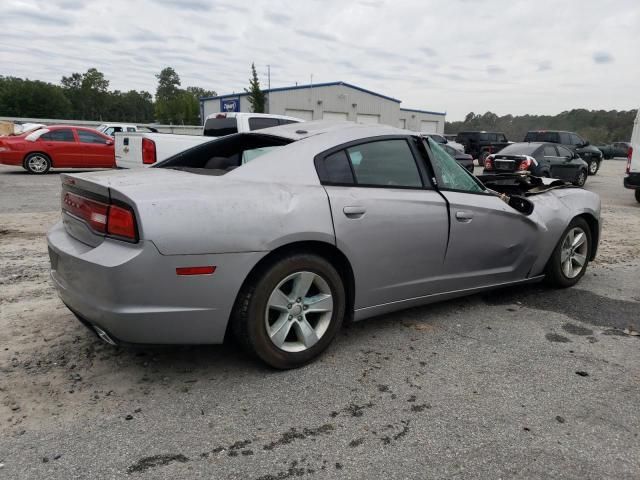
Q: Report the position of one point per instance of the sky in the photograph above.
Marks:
(454, 56)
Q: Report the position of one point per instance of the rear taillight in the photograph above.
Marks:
(103, 218)
(121, 223)
(94, 213)
(525, 164)
(629, 155)
(488, 162)
(148, 151)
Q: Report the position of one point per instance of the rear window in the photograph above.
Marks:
(257, 123)
(519, 149)
(63, 135)
(551, 137)
(217, 157)
(219, 127)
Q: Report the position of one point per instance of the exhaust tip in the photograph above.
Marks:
(104, 336)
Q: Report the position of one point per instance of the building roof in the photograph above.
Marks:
(422, 111)
(299, 87)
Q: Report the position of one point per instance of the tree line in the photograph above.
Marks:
(86, 96)
(597, 126)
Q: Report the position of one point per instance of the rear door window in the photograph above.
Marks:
(62, 135)
(90, 137)
(258, 123)
(220, 126)
(385, 163)
(550, 151)
(335, 169)
(565, 138)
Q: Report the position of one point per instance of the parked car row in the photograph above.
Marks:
(483, 144)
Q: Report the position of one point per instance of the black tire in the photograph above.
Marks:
(594, 166)
(37, 163)
(638, 195)
(555, 275)
(250, 312)
(581, 179)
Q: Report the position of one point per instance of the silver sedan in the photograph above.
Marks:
(279, 236)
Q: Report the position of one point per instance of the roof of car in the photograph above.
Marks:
(330, 130)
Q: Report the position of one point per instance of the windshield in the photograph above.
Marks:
(220, 126)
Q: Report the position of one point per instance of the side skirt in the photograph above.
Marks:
(367, 312)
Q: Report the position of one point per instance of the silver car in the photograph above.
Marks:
(279, 236)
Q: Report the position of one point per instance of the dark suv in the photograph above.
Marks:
(575, 142)
(481, 144)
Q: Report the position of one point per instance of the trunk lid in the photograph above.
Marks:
(507, 163)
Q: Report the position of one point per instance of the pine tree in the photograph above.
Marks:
(256, 96)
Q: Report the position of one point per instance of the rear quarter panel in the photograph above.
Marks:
(215, 216)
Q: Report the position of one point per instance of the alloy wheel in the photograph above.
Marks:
(582, 178)
(299, 311)
(574, 251)
(593, 167)
(37, 163)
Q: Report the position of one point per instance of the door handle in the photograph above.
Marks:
(464, 217)
(354, 211)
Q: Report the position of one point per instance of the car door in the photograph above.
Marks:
(94, 150)
(60, 145)
(388, 219)
(566, 167)
(490, 243)
(553, 163)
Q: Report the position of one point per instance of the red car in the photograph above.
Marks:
(58, 146)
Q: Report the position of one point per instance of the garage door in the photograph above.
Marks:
(366, 118)
(334, 116)
(402, 123)
(306, 115)
(427, 126)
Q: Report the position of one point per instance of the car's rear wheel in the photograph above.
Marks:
(291, 311)
(37, 163)
(571, 256)
(594, 166)
(581, 179)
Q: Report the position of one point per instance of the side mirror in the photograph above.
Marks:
(586, 143)
(521, 204)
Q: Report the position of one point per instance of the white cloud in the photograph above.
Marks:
(447, 55)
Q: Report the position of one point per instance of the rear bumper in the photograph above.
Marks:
(132, 292)
(632, 181)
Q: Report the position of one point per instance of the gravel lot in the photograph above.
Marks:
(519, 383)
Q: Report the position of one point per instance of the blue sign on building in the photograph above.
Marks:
(230, 105)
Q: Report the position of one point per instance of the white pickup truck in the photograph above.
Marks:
(137, 150)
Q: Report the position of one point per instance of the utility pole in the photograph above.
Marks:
(268, 88)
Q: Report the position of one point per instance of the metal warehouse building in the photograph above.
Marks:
(331, 101)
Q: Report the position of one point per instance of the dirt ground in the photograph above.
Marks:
(54, 372)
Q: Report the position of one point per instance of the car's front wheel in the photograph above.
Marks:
(581, 179)
(291, 311)
(594, 166)
(638, 195)
(571, 256)
(37, 163)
